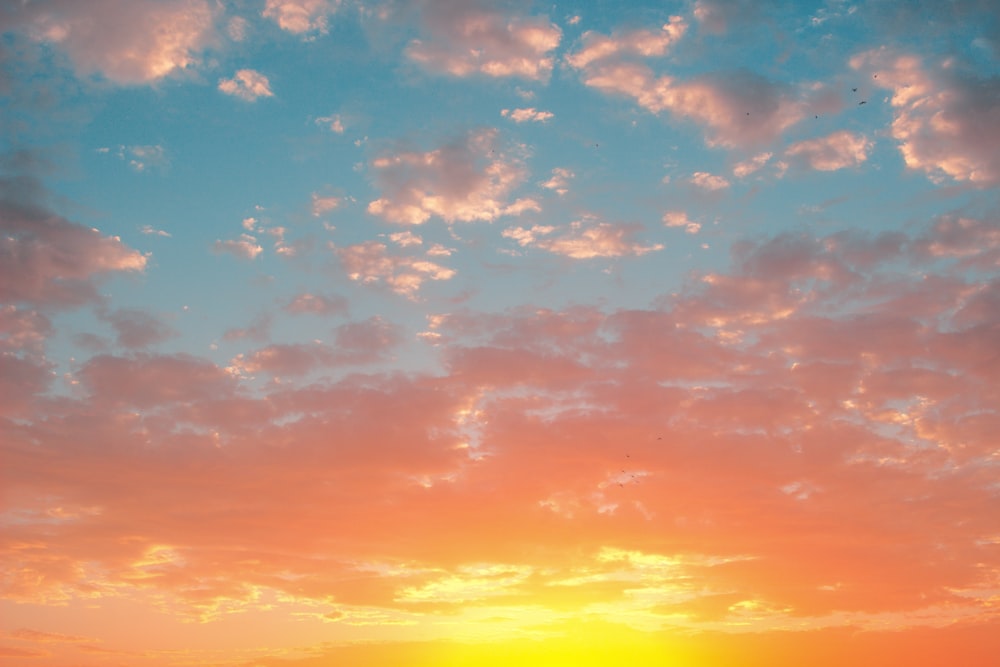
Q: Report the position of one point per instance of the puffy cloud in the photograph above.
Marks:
(465, 180)
(136, 328)
(706, 181)
(737, 108)
(559, 182)
(334, 123)
(316, 304)
(247, 85)
(147, 380)
(355, 343)
(246, 247)
(301, 16)
(322, 204)
(680, 219)
(46, 259)
(645, 43)
(716, 16)
(371, 263)
(747, 167)
(583, 240)
(126, 41)
(835, 151)
(527, 114)
(945, 122)
(465, 39)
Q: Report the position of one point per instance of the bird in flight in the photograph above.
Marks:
(862, 102)
(854, 90)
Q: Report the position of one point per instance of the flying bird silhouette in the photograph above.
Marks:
(862, 102)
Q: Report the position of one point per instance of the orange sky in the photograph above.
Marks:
(447, 332)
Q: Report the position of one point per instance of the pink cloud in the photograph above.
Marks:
(128, 42)
(643, 42)
(247, 84)
(736, 108)
(747, 167)
(146, 380)
(526, 115)
(839, 150)
(945, 123)
(47, 259)
(354, 343)
(301, 16)
(559, 182)
(708, 182)
(583, 240)
(466, 180)
(466, 39)
(681, 219)
(136, 328)
(716, 16)
(246, 247)
(371, 263)
(316, 304)
(795, 422)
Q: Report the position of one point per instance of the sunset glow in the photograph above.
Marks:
(448, 333)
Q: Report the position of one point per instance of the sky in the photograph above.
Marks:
(446, 332)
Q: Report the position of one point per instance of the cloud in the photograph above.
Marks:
(465, 39)
(466, 180)
(583, 240)
(559, 182)
(738, 108)
(645, 43)
(316, 304)
(334, 123)
(355, 343)
(301, 16)
(48, 260)
(152, 231)
(716, 16)
(322, 204)
(680, 219)
(128, 42)
(526, 115)
(245, 247)
(136, 328)
(747, 167)
(371, 263)
(709, 182)
(945, 121)
(247, 85)
(835, 151)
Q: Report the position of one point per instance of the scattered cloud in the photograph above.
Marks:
(247, 85)
(301, 16)
(681, 219)
(709, 182)
(583, 240)
(334, 123)
(466, 180)
(316, 304)
(526, 115)
(839, 150)
(752, 165)
(323, 204)
(559, 182)
(370, 263)
(464, 39)
(245, 247)
(128, 43)
(645, 43)
(945, 122)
